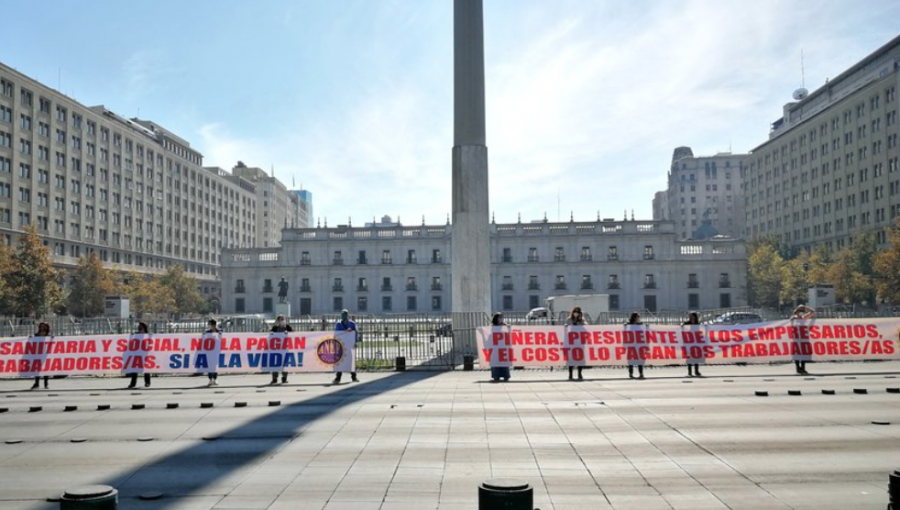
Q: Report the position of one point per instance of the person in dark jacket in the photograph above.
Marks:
(281, 326)
(693, 320)
(345, 324)
(634, 320)
(576, 318)
(498, 373)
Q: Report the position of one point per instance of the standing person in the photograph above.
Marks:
(576, 318)
(214, 329)
(498, 373)
(634, 320)
(345, 324)
(693, 320)
(281, 326)
(43, 331)
(802, 312)
(142, 329)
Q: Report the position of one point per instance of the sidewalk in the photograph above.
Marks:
(425, 440)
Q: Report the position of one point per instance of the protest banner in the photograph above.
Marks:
(787, 340)
(178, 353)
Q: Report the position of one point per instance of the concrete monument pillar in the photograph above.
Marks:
(470, 262)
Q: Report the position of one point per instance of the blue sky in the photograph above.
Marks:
(353, 98)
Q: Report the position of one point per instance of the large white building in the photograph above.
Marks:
(830, 167)
(703, 196)
(276, 207)
(127, 189)
(400, 269)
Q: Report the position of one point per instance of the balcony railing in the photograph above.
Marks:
(362, 261)
(437, 286)
(240, 290)
(587, 286)
(612, 257)
(268, 289)
(533, 258)
(534, 286)
(387, 288)
(411, 260)
(649, 285)
(587, 258)
(649, 256)
(507, 286)
(693, 285)
(724, 284)
(412, 286)
(559, 258)
(362, 288)
(305, 288)
(437, 260)
(559, 286)
(613, 285)
(387, 261)
(337, 262)
(305, 262)
(506, 259)
(337, 288)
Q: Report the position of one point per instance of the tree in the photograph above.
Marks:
(887, 266)
(764, 276)
(92, 283)
(148, 295)
(32, 283)
(852, 271)
(184, 288)
(795, 280)
(819, 262)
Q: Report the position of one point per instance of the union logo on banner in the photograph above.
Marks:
(330, 351)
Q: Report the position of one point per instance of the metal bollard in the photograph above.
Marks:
(894, 490)
(401, 363)
(90, 497)
(468, 362)
(505, 494)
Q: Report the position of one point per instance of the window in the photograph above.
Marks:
(560, 282)
(693, 301)
(411, 256)
(533, 283)
(305, 286)
(613, 301)
(648, 253)
(304, 259)
(436, 256)
(507, 255)
(436, 303)
(386, 284)
(239, 305)
(411, 283)
(386, 257)
(362, 303)
(386, 304)
(612, 253)
(338, 259)
(559, 255)
(6, 114)
(267, 305)
(507, 303)
(337, 303)
(362, 285)
(532, 255)
(586, 254)
(724, 281)
(649, 281)
(586, 283)
(693, 282)
(411, 304)
(362, 257)
(612, 281)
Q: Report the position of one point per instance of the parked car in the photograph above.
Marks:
(736, 318)
(539, 314)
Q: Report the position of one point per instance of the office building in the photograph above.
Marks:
(831, 166)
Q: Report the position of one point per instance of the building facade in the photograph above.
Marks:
(831, 166)
(398, 269)
(276, 207)
(304, 208)
(703, 196)
(92, 181)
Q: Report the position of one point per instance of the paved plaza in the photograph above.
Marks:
(425, 440)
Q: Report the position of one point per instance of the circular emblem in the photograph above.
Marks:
(330, 351)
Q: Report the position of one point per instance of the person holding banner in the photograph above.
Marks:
(802, 312)
(576, 318)
(498, 373)
(345, 324)
(281, 326)
(43, 331)
(213, 330)
(693, 320)
(634, 320)
(142, 329)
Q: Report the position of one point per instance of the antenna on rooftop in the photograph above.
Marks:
(801, 93)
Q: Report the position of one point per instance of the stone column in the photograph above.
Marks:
(470, 253)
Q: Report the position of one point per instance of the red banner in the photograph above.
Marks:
(808, 340)
(178, 353)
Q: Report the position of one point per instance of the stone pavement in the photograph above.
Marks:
(425, 440)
